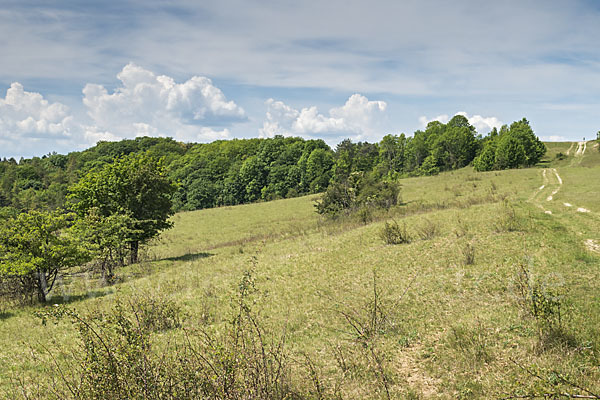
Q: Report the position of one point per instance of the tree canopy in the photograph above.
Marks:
(513, 147)
(35, 247)
(136, 186)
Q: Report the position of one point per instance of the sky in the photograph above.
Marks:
(73, 72)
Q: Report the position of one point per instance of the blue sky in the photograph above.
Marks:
(74, 72)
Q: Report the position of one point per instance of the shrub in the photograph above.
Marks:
(117, 358)
(339, 197)
(394, 233)
(468, 252)
(356, 193)
(545, 302)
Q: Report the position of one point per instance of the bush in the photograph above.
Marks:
(339, 198)
(118, 360)
(394, 233)
(545, 302)
(358, 192)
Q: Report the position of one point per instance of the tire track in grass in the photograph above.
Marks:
(570, 148)
(591, 244)
(545, 182)
(579, 153)
(555, 191)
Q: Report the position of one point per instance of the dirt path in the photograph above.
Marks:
(591, 244)
(579, 153)
(570, 148)
(545, 182)
(560, 182)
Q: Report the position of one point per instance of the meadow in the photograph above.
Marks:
(496, 294)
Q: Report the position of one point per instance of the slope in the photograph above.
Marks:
(457, 325)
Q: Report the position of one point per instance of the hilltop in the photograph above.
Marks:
(494, 295)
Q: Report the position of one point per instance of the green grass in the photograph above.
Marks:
(458, 331)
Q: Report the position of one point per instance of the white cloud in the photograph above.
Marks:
(27, 115)
(555, 138)
(143, 105)
(147, 104)
(482, 124)
(423, 120)
(358, 119)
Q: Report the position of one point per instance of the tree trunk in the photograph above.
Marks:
(133, 254)
(42, 287)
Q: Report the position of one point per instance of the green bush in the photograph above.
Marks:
(394, 233)
(117, 358)
(358, 192)
(545, 302)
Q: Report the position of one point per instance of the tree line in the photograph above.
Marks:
(230, 172)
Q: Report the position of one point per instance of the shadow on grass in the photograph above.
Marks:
(189, 257)
(5, 315)
(58, 299)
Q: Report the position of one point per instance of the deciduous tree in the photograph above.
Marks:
(35, 249)
(136, 186)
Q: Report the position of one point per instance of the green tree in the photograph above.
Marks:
(318, 169)
(107, 238)
(486, 161)
(136, 186)
(35, 249)
(534, 149)
(510, 152)
(392, 155)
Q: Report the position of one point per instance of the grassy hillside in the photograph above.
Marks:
(452, 320)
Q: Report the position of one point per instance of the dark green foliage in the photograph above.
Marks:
(358, 191)
(340, 197)
(513, 147)
(242, 171)
(455, 146)
(108, 238)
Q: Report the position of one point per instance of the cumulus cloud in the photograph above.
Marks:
(359, 119)
(482, 124)
(144, 104)
(149, 104)
(27, 115)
